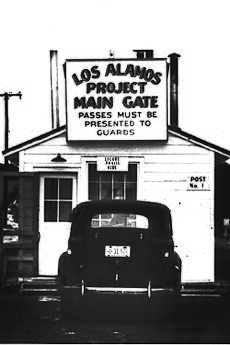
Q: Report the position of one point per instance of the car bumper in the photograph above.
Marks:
(95, 291)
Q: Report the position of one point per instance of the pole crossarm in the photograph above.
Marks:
(7, 95)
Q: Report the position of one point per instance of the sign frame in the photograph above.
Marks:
(140, 137)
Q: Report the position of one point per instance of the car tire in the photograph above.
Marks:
(71, 306)
(66, 308)
(68, 305)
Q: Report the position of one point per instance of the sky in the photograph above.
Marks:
(198, 30)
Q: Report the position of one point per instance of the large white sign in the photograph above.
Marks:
(116, 99)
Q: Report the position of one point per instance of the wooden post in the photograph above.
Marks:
(6, 97)
(54, 88)
(174, 89)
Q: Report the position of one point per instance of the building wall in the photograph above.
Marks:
(165, 170)
(18, 245)
(21, 255)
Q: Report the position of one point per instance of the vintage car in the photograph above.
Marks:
(119, 248)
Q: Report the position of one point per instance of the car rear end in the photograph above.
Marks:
(127, 254)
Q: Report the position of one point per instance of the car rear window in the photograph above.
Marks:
(119, 220)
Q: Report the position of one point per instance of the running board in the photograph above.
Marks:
(38, 286)
(204, 290)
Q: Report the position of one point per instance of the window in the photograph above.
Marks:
(119, 220)
(112, 185)
(57, 199)
(11, 203)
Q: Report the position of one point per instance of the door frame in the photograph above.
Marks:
(64, 174)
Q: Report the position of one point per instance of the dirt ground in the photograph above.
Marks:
(37, 319)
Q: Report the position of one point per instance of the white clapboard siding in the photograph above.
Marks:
(109, 149)
(177, 168)
(192, 271)
(50, 167)
(61, 141)
(173, 175)
(175, 159)
(144, 151)
(151, 187)
(163, 175)
(52, 150)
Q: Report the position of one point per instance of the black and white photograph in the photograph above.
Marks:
(114, 172)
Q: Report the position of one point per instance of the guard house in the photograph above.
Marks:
(117, 143)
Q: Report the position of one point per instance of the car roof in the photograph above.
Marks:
(143, 207)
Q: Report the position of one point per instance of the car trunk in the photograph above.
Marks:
(121, 257)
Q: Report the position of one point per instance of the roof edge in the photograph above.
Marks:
(198, 141)
(33, 141)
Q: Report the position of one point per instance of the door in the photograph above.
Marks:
(57, 199)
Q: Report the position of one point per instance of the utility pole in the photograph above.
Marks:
(6, 97)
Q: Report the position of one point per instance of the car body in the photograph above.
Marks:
(119, 248)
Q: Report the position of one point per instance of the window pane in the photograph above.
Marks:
(118, 177)
(106, 190)
(131, 182)
(93, 182)
(65, 208)
(106, 177)
(105, 185)
(50, 211)
(118, 186)
(51, 188)
(65, 188)
(93, 174)
(93, 191)
(131, 191)
(132, 173)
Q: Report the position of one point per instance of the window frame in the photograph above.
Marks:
(73, 177)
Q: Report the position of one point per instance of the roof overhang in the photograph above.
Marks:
(35, 141)
(199, 142)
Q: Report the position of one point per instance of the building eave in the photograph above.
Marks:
(35, 141)
(198, 141)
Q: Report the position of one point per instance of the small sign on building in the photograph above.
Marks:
(116, 99)
(112, 163)
(198, 182)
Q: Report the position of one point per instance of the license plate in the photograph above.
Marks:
(117, 251)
